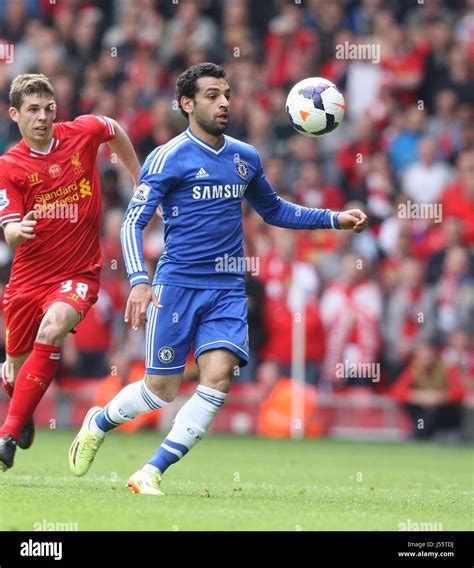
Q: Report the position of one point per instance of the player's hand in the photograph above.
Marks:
(354, 219)
(28, 225)
(137, 304)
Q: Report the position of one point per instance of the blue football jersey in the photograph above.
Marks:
(200, 190)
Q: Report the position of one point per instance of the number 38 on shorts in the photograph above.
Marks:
(80, 293)
(75, 289)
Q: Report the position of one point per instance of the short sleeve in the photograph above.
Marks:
(11, 201)
(99, 126)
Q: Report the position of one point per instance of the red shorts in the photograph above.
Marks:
(24, 310)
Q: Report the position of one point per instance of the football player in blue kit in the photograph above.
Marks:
(197, 298)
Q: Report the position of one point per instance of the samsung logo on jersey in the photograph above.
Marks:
(219, 191)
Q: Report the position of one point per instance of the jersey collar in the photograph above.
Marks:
(201, 142)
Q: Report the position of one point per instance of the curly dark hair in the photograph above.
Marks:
(186, 83)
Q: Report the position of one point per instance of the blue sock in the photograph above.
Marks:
(191, 423)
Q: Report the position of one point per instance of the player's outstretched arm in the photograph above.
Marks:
(122, 147)
(277, 211)
(18, 232)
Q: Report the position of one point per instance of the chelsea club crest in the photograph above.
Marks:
(242, 169)
(166, 354)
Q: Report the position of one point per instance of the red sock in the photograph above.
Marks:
(8, 387)
(34, 378)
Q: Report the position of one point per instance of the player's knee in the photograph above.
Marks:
(219, 382)
(162, 387)
(217, 368)
(51, 334)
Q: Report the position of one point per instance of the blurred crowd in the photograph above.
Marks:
(401, 294)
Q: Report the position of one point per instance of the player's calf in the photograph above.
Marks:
(27, 434)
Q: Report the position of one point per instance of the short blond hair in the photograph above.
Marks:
(29, 84)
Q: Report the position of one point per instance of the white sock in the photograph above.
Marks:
(191, 423)
(132, 400)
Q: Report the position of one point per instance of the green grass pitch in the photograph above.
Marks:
(241, 483)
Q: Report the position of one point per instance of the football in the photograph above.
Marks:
(315, 106)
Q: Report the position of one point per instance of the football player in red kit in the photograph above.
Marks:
(50, 210)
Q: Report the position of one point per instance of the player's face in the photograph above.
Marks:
(211, 105)
(35, 119)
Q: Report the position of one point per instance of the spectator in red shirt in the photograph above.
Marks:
(279, 319)
(458, 199)
(351, 309)
(403, 63)
(289, 47)
(430, 392)
(285, 281)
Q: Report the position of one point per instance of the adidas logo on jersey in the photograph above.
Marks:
(202, 174)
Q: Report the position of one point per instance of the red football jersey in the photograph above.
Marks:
(62, 185)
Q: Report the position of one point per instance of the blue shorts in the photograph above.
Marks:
(201, 319)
